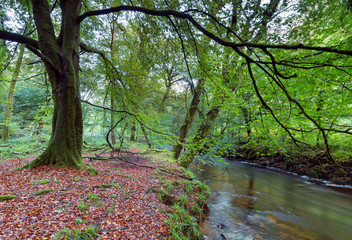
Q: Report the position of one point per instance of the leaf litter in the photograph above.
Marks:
(126, 212)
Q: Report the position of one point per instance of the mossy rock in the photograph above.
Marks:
(42, 192)
(7, 197)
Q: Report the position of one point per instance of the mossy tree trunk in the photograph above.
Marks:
(189, 118)
(199, 138)
(61, 59)
(5, 132)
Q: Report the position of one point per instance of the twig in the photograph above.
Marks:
(145, 166)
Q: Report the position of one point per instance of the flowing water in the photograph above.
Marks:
(247, 202)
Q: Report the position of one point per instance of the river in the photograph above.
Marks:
(248, 202)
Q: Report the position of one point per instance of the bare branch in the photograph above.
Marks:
(14, 37)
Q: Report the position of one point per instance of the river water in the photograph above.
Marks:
(247, 202)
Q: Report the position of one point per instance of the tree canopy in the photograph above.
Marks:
(272, 73)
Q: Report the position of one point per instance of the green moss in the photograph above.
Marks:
(41, 181)
(103, 186)
(42, 192)
(91, 170)
(7, 197)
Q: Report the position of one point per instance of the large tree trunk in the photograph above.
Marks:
(65, 145)
(189, 118)
(5, 132)
(61, 61)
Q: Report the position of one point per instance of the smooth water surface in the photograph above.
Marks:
(253, 203)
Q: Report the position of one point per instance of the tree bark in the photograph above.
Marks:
(112, 103)
(5, 132)
(189, 118)
(133, 132)
(199, 138)
(61, 61)
(146, 136)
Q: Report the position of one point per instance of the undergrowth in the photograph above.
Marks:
(90, 232)
(187, 199)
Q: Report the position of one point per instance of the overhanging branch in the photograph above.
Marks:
(14, 37)
(184, 15)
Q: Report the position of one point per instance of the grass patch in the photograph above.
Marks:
(91, 232)
(90, 200)
(82, 206)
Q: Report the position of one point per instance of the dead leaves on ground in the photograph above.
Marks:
(125, 213)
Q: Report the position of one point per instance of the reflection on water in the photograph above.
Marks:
(253, 203)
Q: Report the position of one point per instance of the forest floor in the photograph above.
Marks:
(314, 166)
(118, 202)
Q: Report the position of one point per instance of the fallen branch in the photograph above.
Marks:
(145, 166)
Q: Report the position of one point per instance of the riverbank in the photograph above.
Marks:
(132, 197)
(314, 166)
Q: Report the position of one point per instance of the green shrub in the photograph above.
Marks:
(91, 232)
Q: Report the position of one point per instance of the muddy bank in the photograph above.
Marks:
(315, 166)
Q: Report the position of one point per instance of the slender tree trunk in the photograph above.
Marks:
(133, 132)
(112, 105)
(203, 130)
(247, 120)
(5, 132)
(199, 138)
(195, 101)
(189, 118)
(112, 123)
(165, 97)
(146, 136)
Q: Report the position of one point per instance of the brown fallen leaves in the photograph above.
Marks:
(128, 211)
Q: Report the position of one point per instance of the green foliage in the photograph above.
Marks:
(183, 226)
(90, 232)
(94, 200)
(82, 206)
(79, 220)
(23, 146)
(165, 197)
